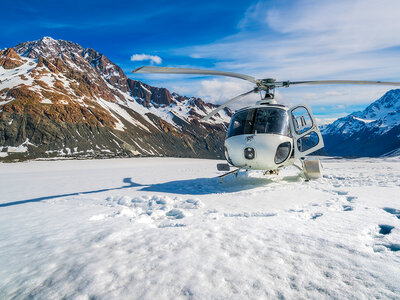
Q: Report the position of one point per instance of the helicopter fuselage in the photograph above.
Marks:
(269, 136)
(259, 138)
(259, 151)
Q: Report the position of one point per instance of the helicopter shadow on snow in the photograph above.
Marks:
(128, 184)
(205, 186)
(197, 186)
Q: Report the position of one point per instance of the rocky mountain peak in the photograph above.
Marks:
(66, 99)
(47, 40)
(9, 53)
(65, 55)
(47, 47)
(371, 132)
(387, 104)
(9, 59)
(390, 100)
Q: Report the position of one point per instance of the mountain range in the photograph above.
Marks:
(375, 131)
(58, 98)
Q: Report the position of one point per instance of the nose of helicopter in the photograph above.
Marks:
(255, 151)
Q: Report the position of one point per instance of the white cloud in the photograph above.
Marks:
(325, 121)
(216, 90)
(311, 39)
(141, 57)
(302, 40)
(221, 90)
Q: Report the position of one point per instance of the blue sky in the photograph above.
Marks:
(286, 40)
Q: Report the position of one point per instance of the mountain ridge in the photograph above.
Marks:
(59, 98)
(375, 131)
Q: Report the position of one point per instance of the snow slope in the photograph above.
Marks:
(163, 228)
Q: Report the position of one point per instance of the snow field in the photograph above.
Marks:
(164, 228)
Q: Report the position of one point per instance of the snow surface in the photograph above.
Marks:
(46, 101)
(165, 228)
(18, 149)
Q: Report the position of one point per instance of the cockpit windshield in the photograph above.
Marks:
(270, 120)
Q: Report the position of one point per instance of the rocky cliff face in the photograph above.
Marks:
(58, 98)
(374, 131)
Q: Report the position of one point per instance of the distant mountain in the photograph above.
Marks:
(58, 98)
(374, 131)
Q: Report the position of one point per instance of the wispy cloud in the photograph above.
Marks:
(142, 57)
(311, 39)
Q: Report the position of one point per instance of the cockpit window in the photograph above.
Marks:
(261, 120)
(242, 123)
(272, 120)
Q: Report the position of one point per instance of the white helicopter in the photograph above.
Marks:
(268, 136)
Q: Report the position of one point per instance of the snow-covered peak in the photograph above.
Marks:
(47, 40)
(388, 103)
(383, 114)
(68, 83)
(47, 47)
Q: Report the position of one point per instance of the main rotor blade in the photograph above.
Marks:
(317, 82)
(222, 106)
(166, 70)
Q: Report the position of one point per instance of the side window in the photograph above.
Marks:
(307, 136)
(308, 141)
(301, 120)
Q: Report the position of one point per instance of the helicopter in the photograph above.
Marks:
(268, 136)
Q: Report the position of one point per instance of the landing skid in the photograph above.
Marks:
(234, 172)
(309, 169)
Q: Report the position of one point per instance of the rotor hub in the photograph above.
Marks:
(271, 83)
(267, 86)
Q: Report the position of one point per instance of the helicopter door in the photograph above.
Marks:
(306, 134)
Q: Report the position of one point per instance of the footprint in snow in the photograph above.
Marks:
(393, 211)
(248, 215)
(316, 215)
(351, 198)
(393, 247)
(192, 204)
(212, 214)
(298, 210)
(340, 193)
(385, 229)
(389, 246)
(175, 214)
(347, 208)
(167, 225)
(151, 208)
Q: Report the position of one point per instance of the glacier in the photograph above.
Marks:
(165, 228)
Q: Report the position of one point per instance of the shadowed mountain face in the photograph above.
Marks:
(374, 131)
(58, 98)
